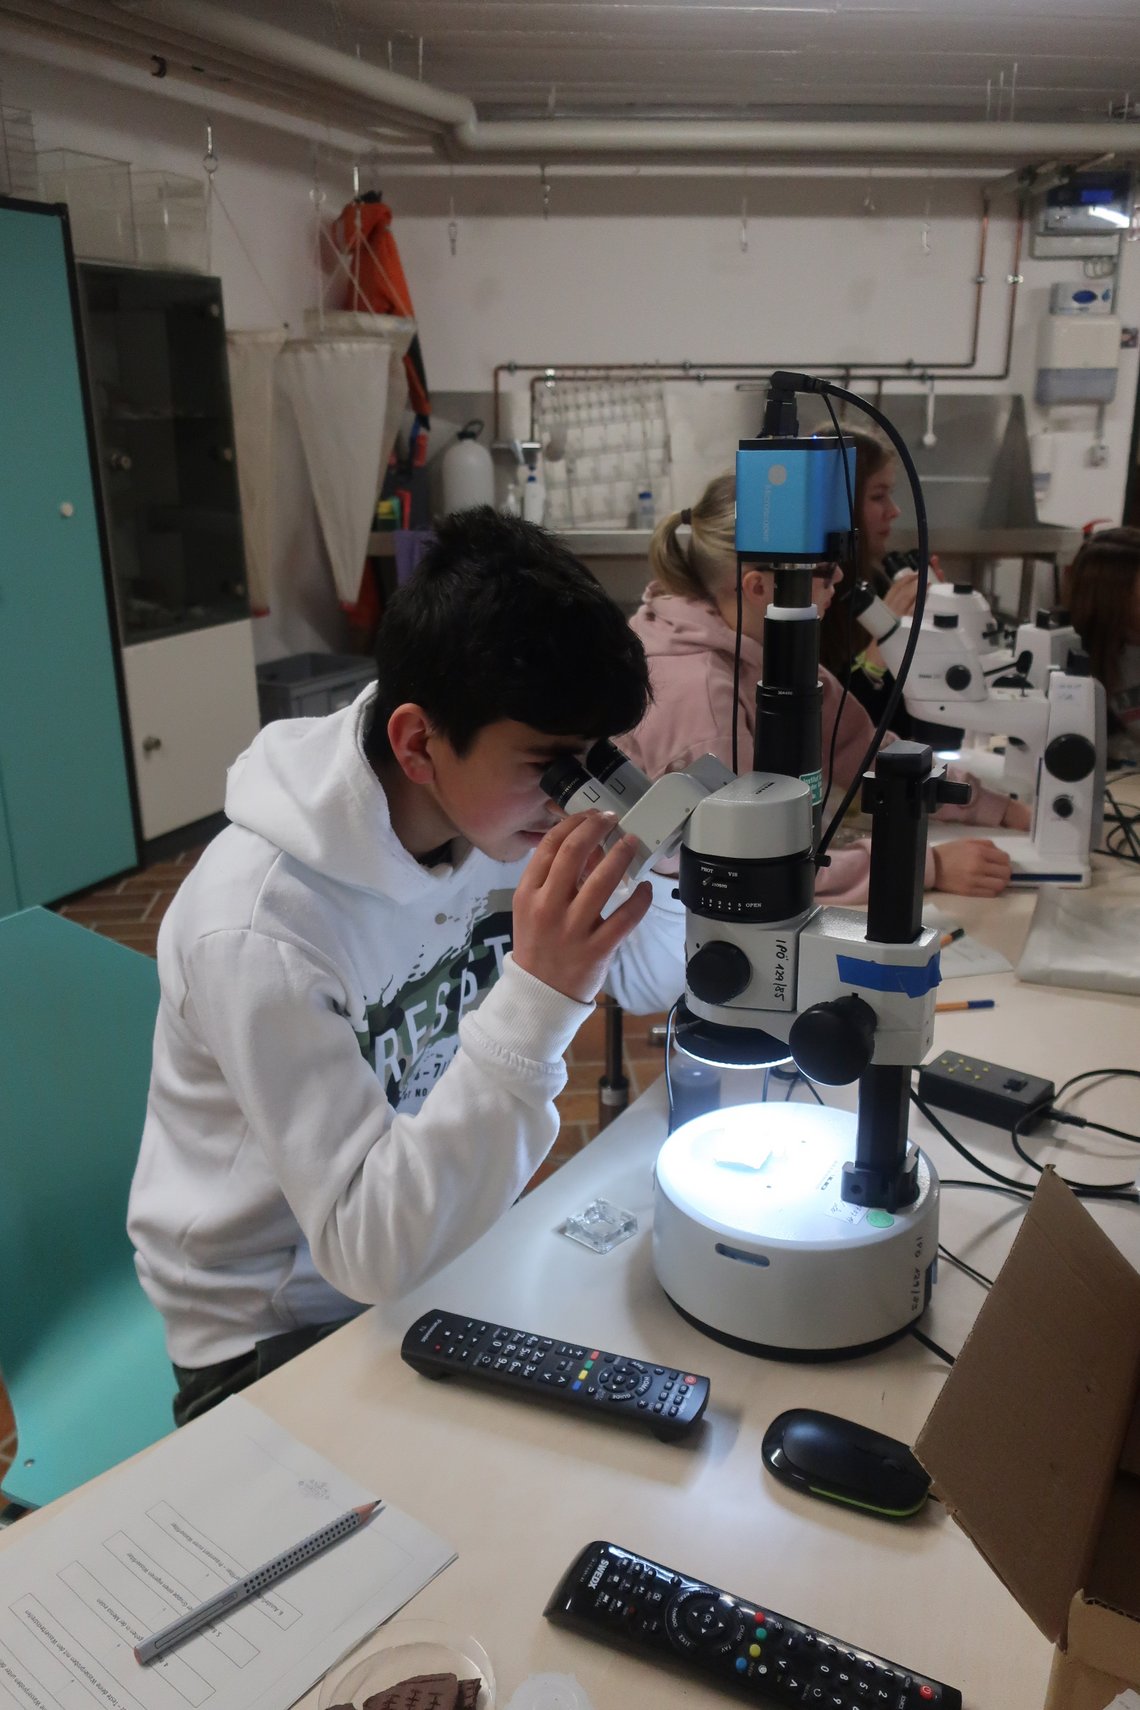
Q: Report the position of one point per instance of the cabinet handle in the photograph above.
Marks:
(150, 743)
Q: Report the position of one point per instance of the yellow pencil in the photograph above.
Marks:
(963, 1003)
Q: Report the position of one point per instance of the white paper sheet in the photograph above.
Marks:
(157, 1538)
(966, 955)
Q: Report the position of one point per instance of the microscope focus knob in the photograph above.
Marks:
(1063, 807)
(718, 972)
(958, 677)
(834, 1042)
(1070, 757)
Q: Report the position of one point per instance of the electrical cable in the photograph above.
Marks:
(1053, 1114)
(1122, 830)
(929, 1342)
(964, 1151)
(811, 1089)
(825, 388)
(985, 1187)
(669, 1025)
(1123, 1191)
(736, 662)
(849, 584)
(964, 1266)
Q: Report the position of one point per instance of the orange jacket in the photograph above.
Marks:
(363, 229)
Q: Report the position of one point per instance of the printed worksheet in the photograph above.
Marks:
(966, 955)
(154, 1540)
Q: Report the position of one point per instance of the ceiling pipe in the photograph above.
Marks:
(462, 132)
(205, 21)
(76, 41)
(977, 140)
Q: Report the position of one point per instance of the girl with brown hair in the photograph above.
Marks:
(1102, 594)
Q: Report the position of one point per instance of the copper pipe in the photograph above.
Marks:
(878, 371)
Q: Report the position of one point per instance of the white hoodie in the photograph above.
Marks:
(304, 1152)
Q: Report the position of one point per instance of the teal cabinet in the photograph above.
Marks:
(67, 815)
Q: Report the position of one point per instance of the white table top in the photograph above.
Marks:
(520, 1488)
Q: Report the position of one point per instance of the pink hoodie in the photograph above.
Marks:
(690, 647)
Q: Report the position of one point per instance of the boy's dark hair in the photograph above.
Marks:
(499, 621)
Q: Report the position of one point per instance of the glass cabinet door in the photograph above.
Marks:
(156, 345)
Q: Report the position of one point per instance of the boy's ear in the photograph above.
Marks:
(409, 733)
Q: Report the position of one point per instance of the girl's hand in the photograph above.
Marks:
(974, 867)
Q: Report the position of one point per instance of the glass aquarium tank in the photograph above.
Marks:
(156, 351)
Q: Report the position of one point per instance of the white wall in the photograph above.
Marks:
(624, 269)
(644, 269)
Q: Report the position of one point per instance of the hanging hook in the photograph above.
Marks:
(926, 250)
(356, 181)
(453, 223)
(545, 193)
(744, 224)
(210, 160)
(317, 193)
(929, 437)
(869, 199)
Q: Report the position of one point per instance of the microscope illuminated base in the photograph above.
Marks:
(753, 1243)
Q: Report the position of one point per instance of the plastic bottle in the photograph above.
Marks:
(468, 473)
(534, 498)
(696, 1087)
(645, 513)
(512, 501)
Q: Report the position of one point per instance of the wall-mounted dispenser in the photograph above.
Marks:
(1077, 359)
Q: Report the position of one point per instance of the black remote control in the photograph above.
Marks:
(448, 1344)
(615, 1595)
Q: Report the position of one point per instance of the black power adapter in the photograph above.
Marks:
(969, 1086)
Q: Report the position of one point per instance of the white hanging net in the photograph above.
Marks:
(253, 374)
(348, 393)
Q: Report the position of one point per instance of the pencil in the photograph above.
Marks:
(949, 937)
(233, 1596)
(963, 1003)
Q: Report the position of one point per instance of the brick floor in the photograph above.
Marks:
(131, 910)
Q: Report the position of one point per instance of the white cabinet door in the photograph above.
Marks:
(193, 708)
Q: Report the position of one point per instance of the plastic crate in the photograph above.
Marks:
(308, 685)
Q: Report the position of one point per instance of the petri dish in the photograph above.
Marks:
(398, 1651)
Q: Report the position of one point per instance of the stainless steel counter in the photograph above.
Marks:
(1043, 540)
(585, 542)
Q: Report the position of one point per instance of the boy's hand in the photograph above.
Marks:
(560, 936)
(973, 867)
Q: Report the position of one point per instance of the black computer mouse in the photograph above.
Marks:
(840, 1461)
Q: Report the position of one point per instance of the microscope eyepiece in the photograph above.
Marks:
(563, 778)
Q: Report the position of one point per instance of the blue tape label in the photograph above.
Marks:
(889, 977)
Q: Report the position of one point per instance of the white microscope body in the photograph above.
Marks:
(1052, 716)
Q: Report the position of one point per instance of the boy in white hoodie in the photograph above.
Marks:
(371, 976)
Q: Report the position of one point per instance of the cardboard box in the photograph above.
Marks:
(1034, 1445)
